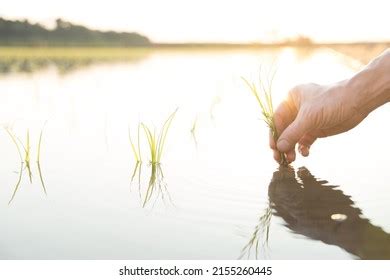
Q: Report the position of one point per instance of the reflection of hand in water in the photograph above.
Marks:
(307, 204)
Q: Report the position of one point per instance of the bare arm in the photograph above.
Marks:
(314, 111)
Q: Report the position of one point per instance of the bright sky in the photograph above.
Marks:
(218, 20)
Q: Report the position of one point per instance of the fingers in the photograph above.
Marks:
(304, 150)
(305, 143)
(295, 119)
(283, 116)
(308, 139)
(290, 156)
(276, 156)
(292, 124)
(293, 133)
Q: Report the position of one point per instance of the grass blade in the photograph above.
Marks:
(133, 148)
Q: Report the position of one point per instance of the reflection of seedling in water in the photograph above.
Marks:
(156, 143)
(259, 237)
(26, 160)
(156, 186)
(264, 98)
(137, 169)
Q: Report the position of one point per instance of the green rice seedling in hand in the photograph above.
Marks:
(264, 99)
(157, 142)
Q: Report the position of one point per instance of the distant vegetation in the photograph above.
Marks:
(66, 59)
(24, 33)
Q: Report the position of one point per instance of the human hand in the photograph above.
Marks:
(313, 111)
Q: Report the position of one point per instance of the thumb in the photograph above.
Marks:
(291, 135)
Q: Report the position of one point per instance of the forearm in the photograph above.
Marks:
(370, 88)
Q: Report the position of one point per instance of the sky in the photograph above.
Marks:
(218, 20)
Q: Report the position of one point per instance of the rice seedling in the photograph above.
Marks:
(38, 160)
(26, 148)
(136, 152)
(41, 177)
(137, 170)
(25, 159)
(39, 146)
(17, 183)
(193, 128)
(156, 142)
(14, 140)
(264, 99)
(193, 131)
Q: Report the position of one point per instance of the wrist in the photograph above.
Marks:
(370, 88)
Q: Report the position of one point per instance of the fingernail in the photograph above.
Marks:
(305, 151)
(283, 145)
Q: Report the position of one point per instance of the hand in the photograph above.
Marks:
(310, 112)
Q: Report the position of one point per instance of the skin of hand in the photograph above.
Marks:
(313, 111)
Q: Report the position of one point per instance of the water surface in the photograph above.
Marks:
(217, 193)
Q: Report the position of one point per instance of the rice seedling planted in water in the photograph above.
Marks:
(38, 161)
(194, 124)
(263, 96)
(27, 149)
(156, 142)
(26, 158)
(136, 152)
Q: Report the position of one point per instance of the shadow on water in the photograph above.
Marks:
(313, 208)
(156, 189)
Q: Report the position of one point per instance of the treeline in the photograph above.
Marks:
(24, 33)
